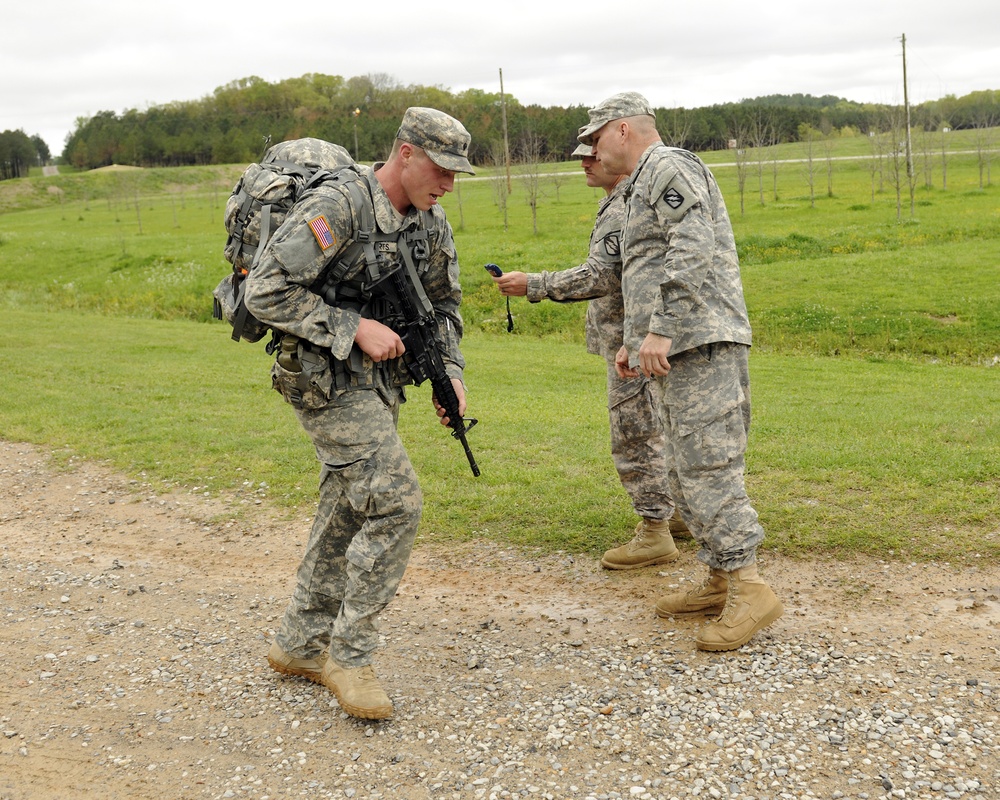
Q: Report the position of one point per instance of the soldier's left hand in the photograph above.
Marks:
(653, 355)
(621, 364)
(459, 393)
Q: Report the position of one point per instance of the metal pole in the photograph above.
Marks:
(506, 143)
(909, 148)
(357, 113)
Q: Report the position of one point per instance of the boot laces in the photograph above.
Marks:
(701, 587)
(642, 535)
(367, 675)
(732, 597)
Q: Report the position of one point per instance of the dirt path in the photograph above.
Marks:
(135, 626)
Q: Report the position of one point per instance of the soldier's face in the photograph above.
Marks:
(597, 175)
(609, 147)
(424, 181)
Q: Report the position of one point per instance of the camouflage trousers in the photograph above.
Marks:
(369, 507)
(637, 445)
(704, 403)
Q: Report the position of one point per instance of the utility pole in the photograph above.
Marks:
(909, 148)
(356, 114)
(506, 143)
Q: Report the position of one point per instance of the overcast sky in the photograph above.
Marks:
(65, 59)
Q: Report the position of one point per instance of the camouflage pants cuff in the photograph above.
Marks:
(727, 562)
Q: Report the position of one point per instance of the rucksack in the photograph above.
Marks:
(257, 206)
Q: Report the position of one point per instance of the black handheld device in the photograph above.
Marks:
(496, 272)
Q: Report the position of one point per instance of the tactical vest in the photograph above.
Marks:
(347, 281)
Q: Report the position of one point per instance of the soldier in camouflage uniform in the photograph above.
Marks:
(637, 445)
(370, 502)
(686, 326)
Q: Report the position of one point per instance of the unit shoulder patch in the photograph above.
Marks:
(613, 244)
(321, 230)
(673, 198)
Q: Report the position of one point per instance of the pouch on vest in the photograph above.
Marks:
(301, 375)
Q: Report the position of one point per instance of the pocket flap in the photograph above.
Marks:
(704, 409)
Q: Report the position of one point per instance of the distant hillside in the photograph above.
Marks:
(798, 101)
(232, 124)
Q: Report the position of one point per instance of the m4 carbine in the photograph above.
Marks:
(417, 326)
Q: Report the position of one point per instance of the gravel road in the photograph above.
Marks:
(136, 618)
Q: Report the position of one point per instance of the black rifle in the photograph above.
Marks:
(416, 325)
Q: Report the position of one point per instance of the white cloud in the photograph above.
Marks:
(72, 59)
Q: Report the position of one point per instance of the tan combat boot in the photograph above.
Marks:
(750, 607)
(709, 595)
(357, 690)
(678, 527)
(308, 668)
(652, 544)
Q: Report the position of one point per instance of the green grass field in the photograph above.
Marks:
(875, 367)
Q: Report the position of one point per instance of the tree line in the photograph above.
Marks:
(19, 152)
(235, 122)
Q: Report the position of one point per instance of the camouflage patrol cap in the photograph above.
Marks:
(618, 106)
(582, 150)
(443, 138)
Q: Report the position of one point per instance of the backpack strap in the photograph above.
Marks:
(412, 245)
(242, 313)
(367, 235)
(246, 201)
(360, 242)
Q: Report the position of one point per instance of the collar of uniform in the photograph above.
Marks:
(628, 185)
(617, 193)
(619, 189)
(388, 219)
(645, 157)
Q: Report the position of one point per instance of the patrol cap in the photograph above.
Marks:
(618, 106)
(443, 138)
(582, 150)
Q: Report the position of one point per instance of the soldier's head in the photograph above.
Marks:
(619, 129)
(430, 149)
(596, 173)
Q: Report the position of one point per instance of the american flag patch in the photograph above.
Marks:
(321, 230)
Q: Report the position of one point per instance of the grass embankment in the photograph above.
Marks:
(876, 422)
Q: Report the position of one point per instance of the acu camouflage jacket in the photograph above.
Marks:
(680, 272)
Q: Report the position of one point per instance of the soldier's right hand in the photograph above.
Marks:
(512, 284)
(379, 342)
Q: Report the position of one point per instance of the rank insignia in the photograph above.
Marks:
(613, 244)
(673, 198)
(321, 230)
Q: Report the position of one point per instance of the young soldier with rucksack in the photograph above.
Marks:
(313, 284)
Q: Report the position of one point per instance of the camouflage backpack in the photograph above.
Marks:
(258, 205)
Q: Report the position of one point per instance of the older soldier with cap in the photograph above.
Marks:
(637, 445)
(686, 326)
(370, 501)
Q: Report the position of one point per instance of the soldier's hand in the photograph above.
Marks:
(621, 365)
(512, 284)
(653, 355)
(459, 393)
(379, 342)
